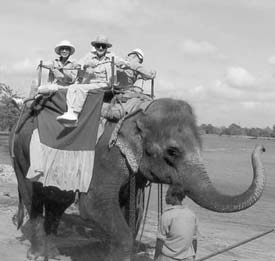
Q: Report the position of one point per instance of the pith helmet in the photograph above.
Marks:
(64, 43)
(138, 52)
(101, 39)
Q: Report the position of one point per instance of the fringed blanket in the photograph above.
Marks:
(64, 157)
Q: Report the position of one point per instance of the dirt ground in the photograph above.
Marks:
(217, 232)
(12, 245)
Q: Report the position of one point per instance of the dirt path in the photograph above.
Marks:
(12, 245)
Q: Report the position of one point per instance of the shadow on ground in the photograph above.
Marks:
(78, 243)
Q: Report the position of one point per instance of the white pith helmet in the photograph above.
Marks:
(64, 43)
(138, 52)
(101, 39)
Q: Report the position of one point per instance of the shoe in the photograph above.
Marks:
(112, 114)
(70, 125)
(47, 89)
(17, 102)
(67, 118)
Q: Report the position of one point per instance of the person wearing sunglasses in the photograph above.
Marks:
(97, 63)
(96, 67)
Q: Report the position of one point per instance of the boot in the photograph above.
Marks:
(68, 119)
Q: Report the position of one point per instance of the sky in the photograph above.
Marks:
(217, 55)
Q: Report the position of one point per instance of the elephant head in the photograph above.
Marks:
(163, 145)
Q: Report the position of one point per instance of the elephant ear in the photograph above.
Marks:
(129, 139)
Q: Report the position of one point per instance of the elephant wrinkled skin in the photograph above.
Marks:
(161, 145)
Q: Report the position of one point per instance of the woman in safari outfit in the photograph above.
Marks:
(97, 74)
(62, 72)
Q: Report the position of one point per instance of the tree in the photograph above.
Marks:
(267, 132)
(209, 129)
(8, 113)
(233, 129)
(273, 131)
(255, 132)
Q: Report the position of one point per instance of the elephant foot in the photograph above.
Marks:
(117, 256)
(114, 258)
(51, 250)
(45, 252)
(34, 255)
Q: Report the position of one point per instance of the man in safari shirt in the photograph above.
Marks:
(176, 239)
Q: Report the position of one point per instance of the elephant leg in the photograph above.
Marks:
(42, 247)
(106, 213)
(55, 205)
(37, 239)
(37, 205)
(37, 233)
(140, 201)
(121, 239)
(53, 213)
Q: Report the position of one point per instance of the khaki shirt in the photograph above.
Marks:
(60, 76)
(178, 228)
(133, 72)
(97, 70)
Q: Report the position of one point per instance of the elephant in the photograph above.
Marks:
(161, 144)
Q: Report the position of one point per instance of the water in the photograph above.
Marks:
(228, 160)
(229, 165)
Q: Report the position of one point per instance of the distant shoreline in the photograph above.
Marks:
(7, 133)
(241, 136)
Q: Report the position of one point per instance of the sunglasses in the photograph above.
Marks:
(103, 46)
(65, 49)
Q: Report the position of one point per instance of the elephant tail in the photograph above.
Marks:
(18, 218)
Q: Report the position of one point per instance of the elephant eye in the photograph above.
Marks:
(173, 152)
(171, 155)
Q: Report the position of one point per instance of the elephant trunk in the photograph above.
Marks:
(201, 190)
